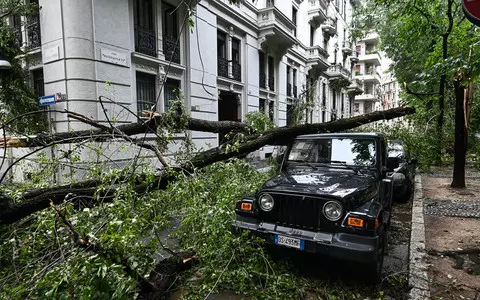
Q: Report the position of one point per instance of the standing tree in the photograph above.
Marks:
(16, 95)
(430, 44)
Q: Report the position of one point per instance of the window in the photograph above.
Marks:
(289, 84)
(38, 82)
(324, 94)
(261, 105)
(271, 110)
(335, 56)
(144, 27)
(294, 20)
(222, 54)
(171, 42)
(263, 77)
(146, 95)
(334, 101)
(289, 114)
(236, 66)
(312, 35)
(295, 83)
(17, 29)
(270, 3)
(357, 69)
(271, 73)
(356, 107)
(170, 92)
(325, 42)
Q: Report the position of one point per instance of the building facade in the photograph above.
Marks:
(113, 59)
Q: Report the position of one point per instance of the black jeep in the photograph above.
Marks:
(332, 196)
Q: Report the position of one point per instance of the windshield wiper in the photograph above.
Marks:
(303, 163)
(343, 163)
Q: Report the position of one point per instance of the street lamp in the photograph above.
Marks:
(4, 64)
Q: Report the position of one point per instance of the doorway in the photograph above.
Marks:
(228, 110)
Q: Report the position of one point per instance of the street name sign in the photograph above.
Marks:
(471, 8)
(51, 99)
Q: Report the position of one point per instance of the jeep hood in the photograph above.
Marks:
(341, 184)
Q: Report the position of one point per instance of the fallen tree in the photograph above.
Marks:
(39, 199)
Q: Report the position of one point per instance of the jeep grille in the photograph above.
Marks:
(299, 211)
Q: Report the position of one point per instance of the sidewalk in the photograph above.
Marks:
(451, 251)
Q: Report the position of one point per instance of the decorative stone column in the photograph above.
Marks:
(230, 35)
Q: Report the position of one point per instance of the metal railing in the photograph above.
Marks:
(222, 67)
(33, 33)
(237, 71)
(171, 49)
(295, 91)
(145, 41)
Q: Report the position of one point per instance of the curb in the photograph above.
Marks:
(417, 275)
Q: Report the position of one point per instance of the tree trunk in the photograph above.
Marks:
(38, 199)
(460, 137)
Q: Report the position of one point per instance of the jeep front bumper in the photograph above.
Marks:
(343, 246)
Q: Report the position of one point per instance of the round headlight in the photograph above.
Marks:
(266, 202)
(333, 210)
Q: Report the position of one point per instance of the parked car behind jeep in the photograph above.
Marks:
(404, 175)
(332, 197)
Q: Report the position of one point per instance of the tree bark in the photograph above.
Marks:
(460, 137)
(39, 199)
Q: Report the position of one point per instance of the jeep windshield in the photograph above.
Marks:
(346, 152)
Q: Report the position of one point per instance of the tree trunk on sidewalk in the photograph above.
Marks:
(460, 137)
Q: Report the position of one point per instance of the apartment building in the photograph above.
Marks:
(226, 59)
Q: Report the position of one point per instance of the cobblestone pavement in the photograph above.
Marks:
(452, 208)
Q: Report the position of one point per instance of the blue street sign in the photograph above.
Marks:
(47, 100)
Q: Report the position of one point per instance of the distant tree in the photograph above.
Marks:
(435, 53)
(16, 95)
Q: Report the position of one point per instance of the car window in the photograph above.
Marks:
(350, 151)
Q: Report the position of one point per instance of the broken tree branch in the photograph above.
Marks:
(37, 200)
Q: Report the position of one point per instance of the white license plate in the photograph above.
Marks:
(289, 242)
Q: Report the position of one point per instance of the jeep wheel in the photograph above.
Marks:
(374, 269)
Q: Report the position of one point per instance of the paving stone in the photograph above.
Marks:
(452, 208)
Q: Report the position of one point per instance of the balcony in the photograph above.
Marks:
(336, 71)
(145, 41)
(222, 64)
(263, 81)
(370, 94)
(317, 58)
(347, 47)
(371, 58)
(271, 83)
(355, 88)
(339, 77)
(366, 97)
(171, 49)
(354, 57)
(276, 30)
(236, 71)
(289, 90)
(371, 75)
(33, 33)
(317, 12)
(329, 27)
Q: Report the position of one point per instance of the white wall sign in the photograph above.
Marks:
(113, 57)
(51, 54)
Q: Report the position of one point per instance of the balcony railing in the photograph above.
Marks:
(145, 41)
(271, 83)
(289, 89)
(237, 71)
(295, 91)
(263, 81)
(33, 33)
(222, 67)
(171, 49)
(18, 36)
(347, 47)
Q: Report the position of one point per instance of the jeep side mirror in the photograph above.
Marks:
(392, 163)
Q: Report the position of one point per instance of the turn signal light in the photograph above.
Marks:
(376, 223)
(247, 206)
(355, 222)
